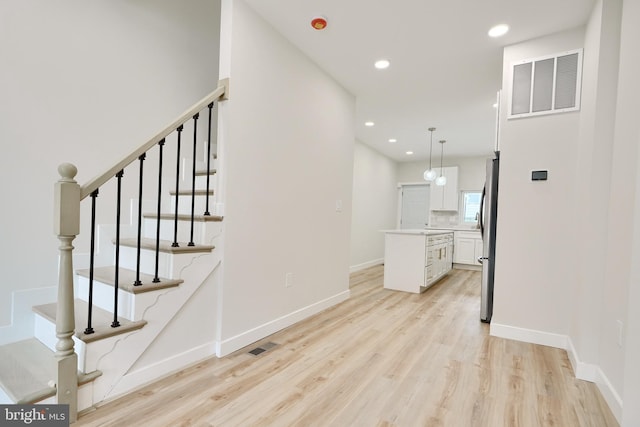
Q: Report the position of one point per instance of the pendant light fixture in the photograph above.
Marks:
(441, 180)
(430, 174)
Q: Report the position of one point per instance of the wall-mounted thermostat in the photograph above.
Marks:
(538, 175)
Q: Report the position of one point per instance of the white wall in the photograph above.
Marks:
(288, 136)
(629, 108)
(547, 281)
(631, 414)
(620, 261)
(535, 246)
(591, 155)
(375, 199)
(471, 177)
(86, 82)
(595, 149)
(471, 171)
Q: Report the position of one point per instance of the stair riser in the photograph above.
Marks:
(4, 398)
(88, 353)
(200, 205)
(170, 265)
(45, 332)
(103, 298)
(201, 182)
(147, 261)
(203, 233)
(201, 158)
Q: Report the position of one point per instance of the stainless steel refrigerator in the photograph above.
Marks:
(487, 220)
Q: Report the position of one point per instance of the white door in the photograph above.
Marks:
(415, 206)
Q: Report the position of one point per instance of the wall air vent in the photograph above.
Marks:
(546, 85)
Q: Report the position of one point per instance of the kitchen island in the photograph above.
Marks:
(468, 246)
(416, 259)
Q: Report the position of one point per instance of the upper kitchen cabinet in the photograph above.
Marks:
(445, 197)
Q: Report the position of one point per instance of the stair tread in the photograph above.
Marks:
(185, 217)
(165, 246)
(127, 277)
(203, 172)
(26, 369)
(187, 192)
(100, 321)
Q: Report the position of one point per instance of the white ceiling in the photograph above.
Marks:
(445, 70)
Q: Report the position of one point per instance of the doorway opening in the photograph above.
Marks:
(413, 206)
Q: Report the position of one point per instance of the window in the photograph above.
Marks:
(471, 206)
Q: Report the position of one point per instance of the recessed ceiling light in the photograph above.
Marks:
(495, 105)
(393, 140)
(382, 64)
(369, 124)
(409, 153)
(498, 30)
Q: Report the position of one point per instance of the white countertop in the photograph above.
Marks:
(456, 228)
(423, 232)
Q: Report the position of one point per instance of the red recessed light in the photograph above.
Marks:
(319, 23)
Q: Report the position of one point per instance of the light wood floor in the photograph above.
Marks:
(382, 358)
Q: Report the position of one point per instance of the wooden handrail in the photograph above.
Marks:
(221, 92)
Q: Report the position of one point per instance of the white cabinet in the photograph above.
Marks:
(468, 247)
(414, 260)
(445, 197)
(465, 250)
(439, 257)
(479, 249)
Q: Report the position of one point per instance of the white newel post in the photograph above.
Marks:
(66, 227)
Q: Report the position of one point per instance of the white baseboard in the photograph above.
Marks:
(148, 374)
(528, 335)
(239, 341)
(467, 267)
(582, 370)
(610, 395)
(367, 264)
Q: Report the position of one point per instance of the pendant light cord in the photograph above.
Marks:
(431, 146)
(441, 154)
(430, 150)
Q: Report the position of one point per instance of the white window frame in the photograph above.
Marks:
(463, 206)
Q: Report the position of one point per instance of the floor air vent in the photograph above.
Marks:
(264, 347)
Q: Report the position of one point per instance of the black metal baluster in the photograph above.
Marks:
(206, 209)
(156, 279)
(89, 330)
(175, 219)
(138, 282)
(193, 175)
(116, 282)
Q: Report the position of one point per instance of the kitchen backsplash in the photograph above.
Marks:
(443, 219)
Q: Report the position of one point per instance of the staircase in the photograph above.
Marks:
(141, 305)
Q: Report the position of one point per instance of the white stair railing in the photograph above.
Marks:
(68, 194)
